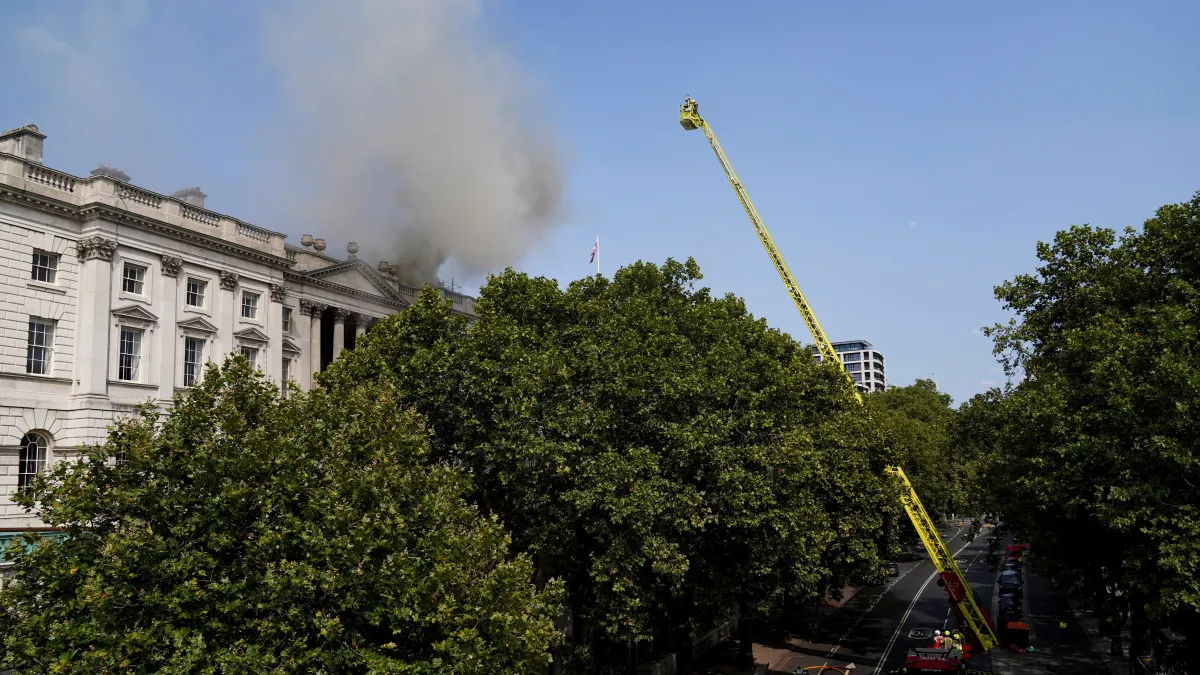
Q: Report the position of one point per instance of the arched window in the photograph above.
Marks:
(33, 458)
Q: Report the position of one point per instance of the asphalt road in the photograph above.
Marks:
(876, 628)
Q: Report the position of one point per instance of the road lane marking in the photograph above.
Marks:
(876, 601)
(892, 642)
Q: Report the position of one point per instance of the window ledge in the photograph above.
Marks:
(127, 383)
(252, 322)
(43, 286)
(42, 378)
(192, 309)
(124, 295)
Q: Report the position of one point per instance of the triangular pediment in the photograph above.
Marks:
(290, 347)
(198, 324)
(359, 276)
(135, 313)
(251, 334)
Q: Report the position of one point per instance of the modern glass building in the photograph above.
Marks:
(863, 362)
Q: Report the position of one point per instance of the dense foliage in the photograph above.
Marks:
(1094, 454)
(655, 452)
(247, 532)
(659, 449)
(918, 423)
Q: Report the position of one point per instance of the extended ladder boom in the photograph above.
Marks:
(690, 118)
(952, 577)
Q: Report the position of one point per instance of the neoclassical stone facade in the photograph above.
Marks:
(112, 295)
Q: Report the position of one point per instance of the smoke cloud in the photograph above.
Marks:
(413, 135)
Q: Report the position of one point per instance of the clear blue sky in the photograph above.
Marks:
(906, 156)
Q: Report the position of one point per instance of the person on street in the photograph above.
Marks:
(938, 639)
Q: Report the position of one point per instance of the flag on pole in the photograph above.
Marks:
(595, 250)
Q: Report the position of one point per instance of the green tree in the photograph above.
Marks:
(916, 423)
(660, 449)
(246, 532)
(1101, 434)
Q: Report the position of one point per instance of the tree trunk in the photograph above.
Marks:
(683, 633)
(745, 634)
(1137, 632)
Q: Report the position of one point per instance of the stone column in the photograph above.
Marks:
(225, 314)
(360, 328)
(170, 349)
(303, 371)
(339, 330)
(95, 301)
(274, 355)
(315, 309)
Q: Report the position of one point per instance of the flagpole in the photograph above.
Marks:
(597, 254)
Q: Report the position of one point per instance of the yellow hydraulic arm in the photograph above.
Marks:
(690, 118)
(952, 577)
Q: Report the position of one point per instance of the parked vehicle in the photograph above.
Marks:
(1010, 606)
(1010, 581)
(892, 569)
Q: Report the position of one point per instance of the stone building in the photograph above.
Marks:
(112, 295)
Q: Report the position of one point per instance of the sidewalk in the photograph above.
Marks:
(1090, 623)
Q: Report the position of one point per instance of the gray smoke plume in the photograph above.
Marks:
(414, 136)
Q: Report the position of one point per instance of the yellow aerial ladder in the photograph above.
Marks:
(689, 117)
(952, 577)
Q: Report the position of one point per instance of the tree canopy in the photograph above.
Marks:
(248, 532)
(658, 456)
(917, 422)
(1093, 455)
(658, 448)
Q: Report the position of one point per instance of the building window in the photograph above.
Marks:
(287, 319)
(193, 357)
(40, 347)
(195, 292)
(133, 279)
(287, 373)
(32, 460)
(249, 305)
(853, 367)
(251, 355)
(130, 354)
(45, 267)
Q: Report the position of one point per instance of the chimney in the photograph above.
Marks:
(111, 172)
(192, 196)
(25, 143)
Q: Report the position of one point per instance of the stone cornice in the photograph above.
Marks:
(97, 211)
(300, 278)
(46, 204)
(385, 288)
